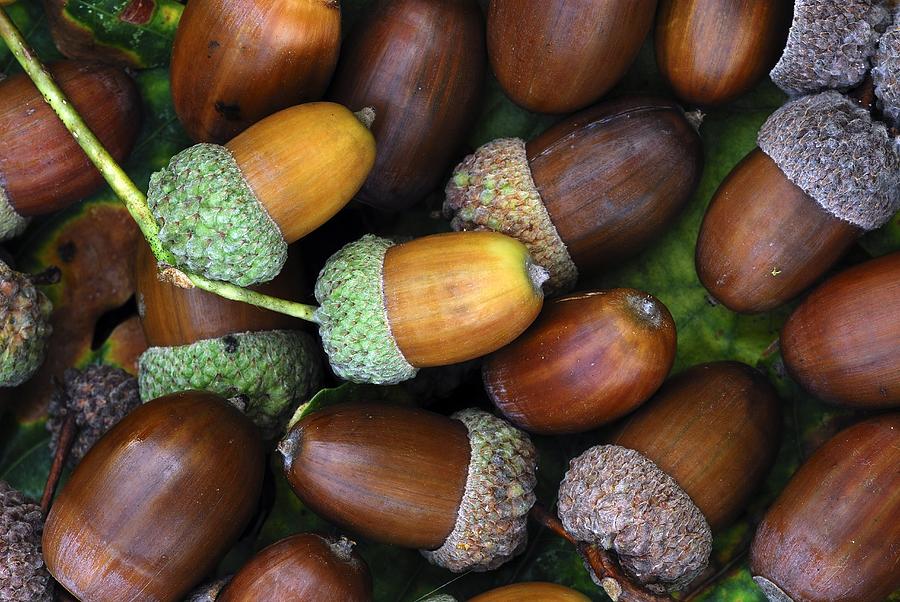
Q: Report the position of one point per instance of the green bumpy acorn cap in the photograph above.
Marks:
(11, 223)
(272, 370)
(352, 315)
(886, 73)
(211, 221)
(24, 327)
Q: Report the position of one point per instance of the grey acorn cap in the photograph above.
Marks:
(440, 598)
(211, 221)
(772, 591)
(23, 575)
(830, 44)
(836, 153)
(352, 315)
(887, 72)
(24, 327)
(272, 370)
(618, 499)
(208, 592)
(11, 223)
(492, 518)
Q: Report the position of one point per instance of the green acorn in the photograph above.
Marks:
(24, 327)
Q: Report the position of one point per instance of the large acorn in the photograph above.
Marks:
(24, 326)
(420, 64)
(235, 62)
(679, 468)
(532, 591)
(590, 191)
(833, 533)
(825, 172)
(229, 212)
(457, 488)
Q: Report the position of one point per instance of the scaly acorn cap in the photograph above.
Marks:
(24, 327)
(493, 189)
(211, 221)
(830, 44)
(23, 575)
(11, 223)
(492, 518)
(836, 153)
(887, 72)
(272, 370)
(617, 498)
(352, 315)
(440, 598)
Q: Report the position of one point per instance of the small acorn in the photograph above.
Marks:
(679, 468)
(559, 56)
(235, 62)
(229, 212)
(825, 172)
(24, 327)
(593, 189)
(834, 533)
(42, 168)
(533, 591)
(886, 72)
(23, 575)
(588, 359)
(457, 488)
(420, 64)
(156, 502)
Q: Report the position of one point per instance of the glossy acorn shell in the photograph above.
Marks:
(589, 358)
(715, 429)
(843, 342)
(302, 567)
(712, 51)
(558, 56)
(391, 473)
(42, 168)
(763, 240)
(420, 64)
(615, 176)
(235, 62)
(534, 591)
(157, 501)
(834, 533)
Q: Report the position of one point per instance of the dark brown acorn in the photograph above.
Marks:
(843, 342)
(558, 56)
(420, 64)
(834, 532)
(156, 502)
(588, 359)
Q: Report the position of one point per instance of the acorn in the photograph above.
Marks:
(42, 168)
(388, 309)
(420, 64)
(588, 359)
(302, 567)
(833, 533)
(678, 469)
(887, 70)
(235, 62)
(229, 212)
(590, 191)
(712, 51)
(157, 501)
(457, 488)
(533, 591)
(825, 172)
(558, 56)
(23, 575)
(842, 344)
(24, 326)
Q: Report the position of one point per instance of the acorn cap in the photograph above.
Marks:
(771, 591)
(617, 498)
(887, 71)
(23, 575)
(211, 221)
(271, 370)
(491, 522)
(836, 153)
(11, 223)
(208, 592)
(440, 598)
(352, 315)
(24, 327)
(830, 44)
(492, 189)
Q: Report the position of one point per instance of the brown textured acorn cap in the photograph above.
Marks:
(23, 575)
(836, 153)
(887, 72)
(618, 499)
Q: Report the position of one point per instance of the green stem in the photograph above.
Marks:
(135, 200)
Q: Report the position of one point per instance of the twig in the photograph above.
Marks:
(63, 446)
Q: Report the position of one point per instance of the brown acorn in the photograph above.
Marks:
(588, 359)
(458, 488)
(156, 502)
(712, 51)
(42, 168)
(302, 567)
(591, 190)
(235, 62)
(420, 64)
(531, 592)
(558, 56)
(843, 342)
(833, 533)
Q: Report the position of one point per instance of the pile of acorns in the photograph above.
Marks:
(158, 500)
